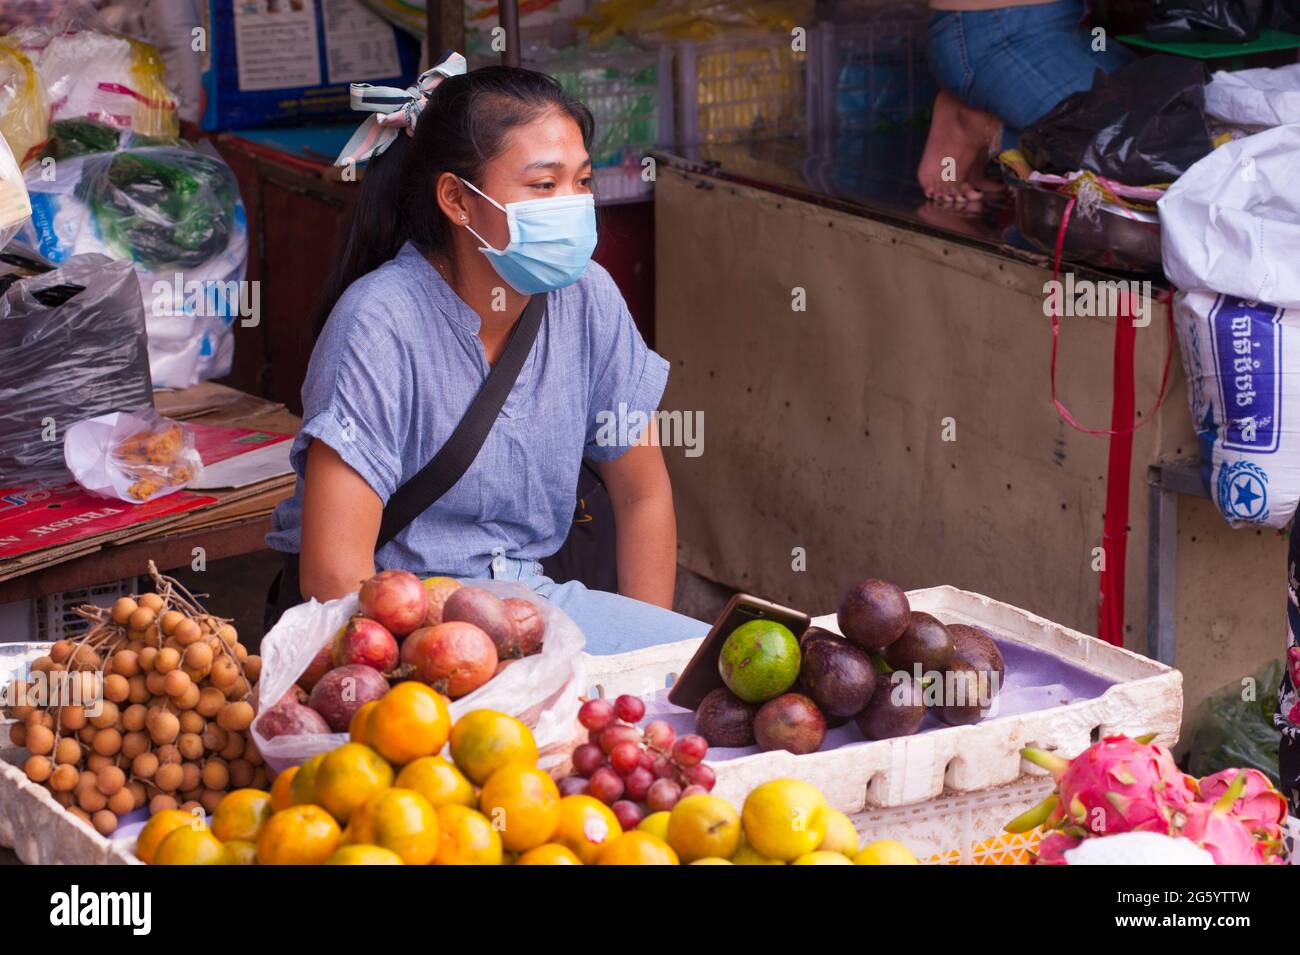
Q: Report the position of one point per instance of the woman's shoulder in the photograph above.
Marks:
(596, 297)
(386, 299)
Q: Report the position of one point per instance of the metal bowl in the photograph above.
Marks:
(1129, 243)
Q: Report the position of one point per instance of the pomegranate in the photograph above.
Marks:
(288, 717)
(396, 600)
(529, 624)
(343, 691)
(364, 641)
(488, 612)
(438, 589)
(454, 658)
(320, 664)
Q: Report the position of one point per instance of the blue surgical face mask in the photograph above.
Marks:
(551, 241)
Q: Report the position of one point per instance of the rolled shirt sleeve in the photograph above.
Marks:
(352, 400)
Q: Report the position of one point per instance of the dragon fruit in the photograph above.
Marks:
(1116, 785)
(1260, 808)
(1213, 827)
(1260, 805)
(1052, 848)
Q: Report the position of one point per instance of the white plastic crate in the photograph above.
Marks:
(630, 94)
(1146, 697)
(742, 86)
(53, 616)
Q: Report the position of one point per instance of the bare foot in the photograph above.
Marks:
(956, 151)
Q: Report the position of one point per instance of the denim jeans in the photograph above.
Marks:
(1017, 62)
(613, 623)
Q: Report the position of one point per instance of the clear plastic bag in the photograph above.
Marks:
(1229, 731)
(24, 105)
(542, 690)
(73, 344)
(101, 75)
(15, 206)
(132, 457)
(175, 212)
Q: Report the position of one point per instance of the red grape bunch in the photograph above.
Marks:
(635, 771)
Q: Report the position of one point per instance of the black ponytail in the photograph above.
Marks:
(463, 126)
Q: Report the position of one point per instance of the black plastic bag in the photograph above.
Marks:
(72, 346)
(1142, 125)
(1208, 21)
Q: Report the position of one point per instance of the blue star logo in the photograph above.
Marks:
(1245, 495)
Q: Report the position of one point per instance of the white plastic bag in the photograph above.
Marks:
(1230, 231)
(132, 457)
(541, 690)
(15, 208)
(1262, 97)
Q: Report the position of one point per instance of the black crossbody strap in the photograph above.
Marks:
(454, 458)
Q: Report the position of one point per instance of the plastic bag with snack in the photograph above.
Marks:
(132, 457)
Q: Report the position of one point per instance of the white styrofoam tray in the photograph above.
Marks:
(1146, 698)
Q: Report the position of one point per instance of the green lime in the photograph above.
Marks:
(759, 660)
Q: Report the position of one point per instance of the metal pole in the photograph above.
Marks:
(508, 11)
(445, 26)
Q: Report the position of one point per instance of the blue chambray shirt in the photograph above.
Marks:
(394, 371)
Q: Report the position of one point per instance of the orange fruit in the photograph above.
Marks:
(400, 820)
(466, 837)
(482, 741)
(241, 814)
(281, 794)
(586, 826)
(159, 828)
(357, 725)
(302, 788)
(437, 780)
(410, 720)
(550, 853)
(239, 852)
(348, 776)
(523, 804)
(189, 846)
(364, 855)
(299, 835)
(637, 848)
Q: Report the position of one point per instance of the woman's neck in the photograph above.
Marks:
(478, 285)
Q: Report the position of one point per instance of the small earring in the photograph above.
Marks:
(463, 217)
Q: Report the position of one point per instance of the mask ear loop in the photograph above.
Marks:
(486, 247)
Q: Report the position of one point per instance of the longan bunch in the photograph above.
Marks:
(172, 729)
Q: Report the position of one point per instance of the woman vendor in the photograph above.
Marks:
(478, 196)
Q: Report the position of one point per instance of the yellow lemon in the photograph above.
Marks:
(302, 788)
(349, 776)
(482, 741)
(241, 814)
(550, 853)
(885, 852)
(746, 854)
(189, 846)
(523, 803)
(397, 819)
(240, 852)
(586, 826)
(785, 818)
(466, 837)
(840, 835)
(822, 857)
(703, 826)
(364, 855)
(159, 827)
(299, 835)
(281, 789)
(411, 720)
(656, 824)
(637, 848)
(712, 860)
(437, 780)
